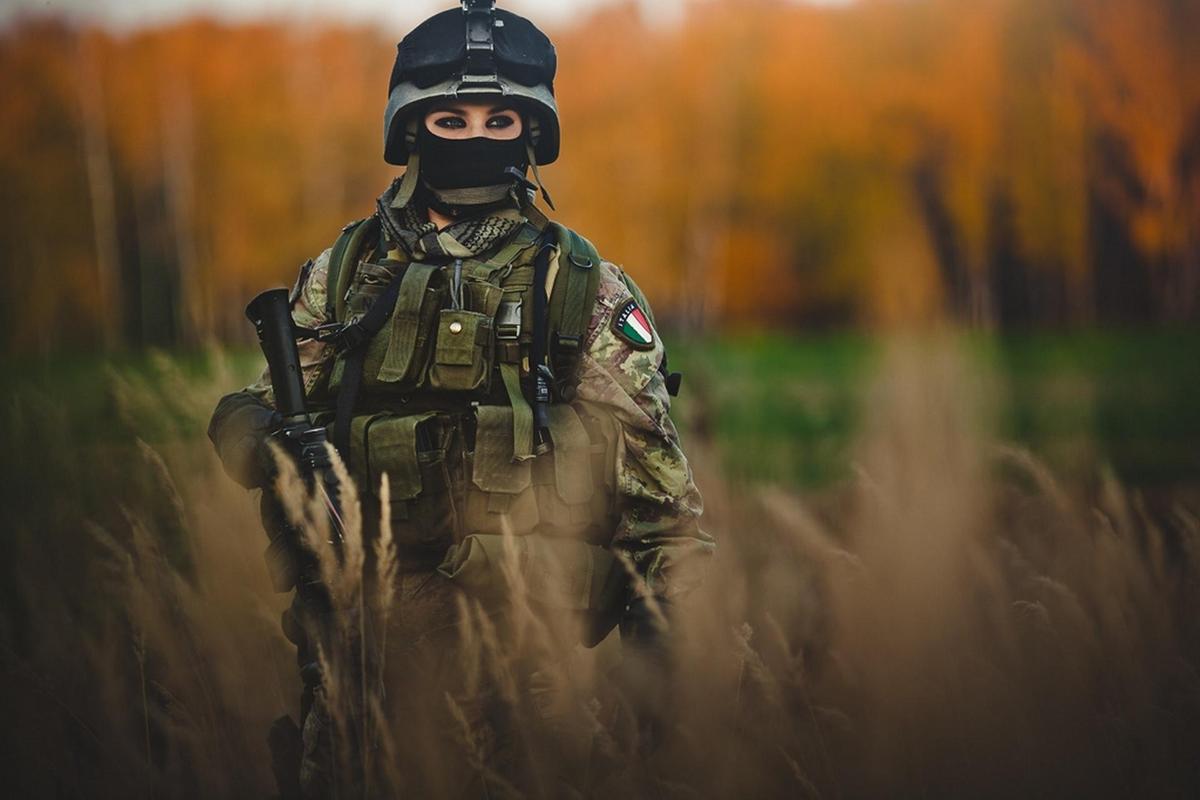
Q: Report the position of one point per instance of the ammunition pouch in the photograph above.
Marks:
(566, 492)
(412, 451)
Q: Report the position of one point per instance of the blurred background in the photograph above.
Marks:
(1022, 167)
(931, 269)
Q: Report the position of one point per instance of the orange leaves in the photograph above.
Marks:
(757, 159)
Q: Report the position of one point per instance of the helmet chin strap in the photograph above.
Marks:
(412, 171)
(537, 176)
(534, 126)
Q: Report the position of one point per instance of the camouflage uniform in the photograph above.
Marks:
(611, 412)
(658, 503)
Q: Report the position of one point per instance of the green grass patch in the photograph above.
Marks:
(788, 408)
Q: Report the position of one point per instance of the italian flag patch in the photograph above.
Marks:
(631, 324)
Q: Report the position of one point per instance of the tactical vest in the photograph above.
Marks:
(443, 397)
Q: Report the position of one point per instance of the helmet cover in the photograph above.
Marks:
(476, 50)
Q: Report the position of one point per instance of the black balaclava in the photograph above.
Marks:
(448, 164)
(463, 178)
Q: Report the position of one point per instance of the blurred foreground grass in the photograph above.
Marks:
(918, 622)
(781, 409)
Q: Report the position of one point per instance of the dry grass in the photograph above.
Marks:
(953, 622)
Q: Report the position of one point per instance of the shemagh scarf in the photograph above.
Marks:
(467, 238)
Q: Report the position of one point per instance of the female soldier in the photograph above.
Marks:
(510, 384)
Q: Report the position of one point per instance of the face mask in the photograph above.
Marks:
(468, 163)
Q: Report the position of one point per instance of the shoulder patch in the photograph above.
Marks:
(632, 325)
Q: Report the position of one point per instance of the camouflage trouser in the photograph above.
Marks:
(455, 726)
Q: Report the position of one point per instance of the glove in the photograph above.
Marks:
(239, 430)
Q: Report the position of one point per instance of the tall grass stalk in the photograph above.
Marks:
(954, 620)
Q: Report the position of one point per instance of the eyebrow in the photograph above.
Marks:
(463, 112)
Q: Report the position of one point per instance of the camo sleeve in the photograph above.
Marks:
(308, 311)
(658, 502)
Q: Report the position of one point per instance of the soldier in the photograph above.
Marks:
(511, 385)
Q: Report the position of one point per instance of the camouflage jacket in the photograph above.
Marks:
(659, 505)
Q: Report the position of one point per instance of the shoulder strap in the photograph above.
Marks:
(525, 237)
(353, 340)
(572, 300)
(343, 259)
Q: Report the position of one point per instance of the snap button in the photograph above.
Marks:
(456, 327)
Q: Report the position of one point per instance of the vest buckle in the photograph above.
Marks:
(508, 320)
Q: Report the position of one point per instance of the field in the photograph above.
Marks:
(948, 566)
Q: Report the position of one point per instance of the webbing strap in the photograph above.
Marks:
(522, 413)
(341, 258)
(525, 237)
(572, 306)
(576, 310)
(406, 322)
(356, 337)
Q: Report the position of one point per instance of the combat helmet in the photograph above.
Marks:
(475, 50)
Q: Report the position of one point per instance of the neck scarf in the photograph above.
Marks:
(409, 227)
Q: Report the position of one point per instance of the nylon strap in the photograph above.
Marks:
(508, 254)
(522, 413)
(343, 260)
(406, 322)
(363, 331)
(571, 306)
(537, 176)
(412, 170)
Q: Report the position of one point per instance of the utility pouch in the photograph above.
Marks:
(411, 450)
(499, 498)
(563, 480)
(572, 454)
(464, 353)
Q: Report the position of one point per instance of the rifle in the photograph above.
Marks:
(289, 563)
(271, 314)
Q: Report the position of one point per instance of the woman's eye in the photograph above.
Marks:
(451, 122)
(500, 122)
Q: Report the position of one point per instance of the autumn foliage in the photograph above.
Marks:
(765, 162)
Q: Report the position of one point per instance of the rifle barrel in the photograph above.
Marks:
(271, 314)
